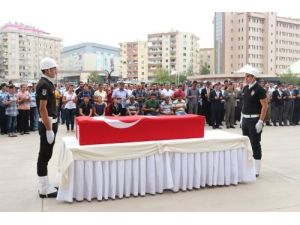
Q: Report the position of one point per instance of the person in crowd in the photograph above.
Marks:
(141, 96)
(277, 110)
(230, 102)
(85, 108)
(166, 107)
(11, 111)
(179, 105)
(215, 98)
(132, 107)
(99, 107)
(3, 117)
(45, 100)
(24, 100)
(288, 105)
(193, 96)
(296, 113)
(115, 107)
(269, 99)
(239, 101)
(206, 103)
(254, 110)
(34, 115)
(69, 101)
(122, 96)
(167, 92)
(151, 106)
(100, 92)
(58, 101)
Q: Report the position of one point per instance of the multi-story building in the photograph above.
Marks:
(134, 60)
(264, 40)
(173, 51)
(206, 59)
(21, 49)
(79, 61)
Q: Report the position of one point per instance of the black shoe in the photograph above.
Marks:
(214, 127)
(26, 132)
(22, 133)
(232, 126)
(235, 124)
(227, 127)
(281, 124)
(52, 195)
(275, 125)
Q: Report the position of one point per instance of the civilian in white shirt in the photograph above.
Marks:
(69, 99)
(167, 92)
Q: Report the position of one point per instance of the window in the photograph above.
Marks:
(184, 54)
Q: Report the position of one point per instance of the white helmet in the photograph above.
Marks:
(47, 63)
(247, 69)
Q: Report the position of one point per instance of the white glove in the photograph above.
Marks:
(259, 126)
(50, 136)
(241, 121)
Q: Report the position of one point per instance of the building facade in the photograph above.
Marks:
(264, 40)
(78, 61)
(173, 51)
(21, 49)
(134, 60)
(206, 59)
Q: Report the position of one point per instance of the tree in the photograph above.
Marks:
(189, 71)
(289, 78)
(95, 77)
(205, 69)
(163, 76)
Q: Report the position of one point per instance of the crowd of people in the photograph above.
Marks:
(218, 102)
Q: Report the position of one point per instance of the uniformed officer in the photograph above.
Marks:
(254, 110)
(45, 99)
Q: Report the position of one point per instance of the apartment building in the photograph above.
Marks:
(264, 40)
(173, 51)
(206, 59)
(134, 60)
(79, 60)
(21, 49)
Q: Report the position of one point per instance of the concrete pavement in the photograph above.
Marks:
(277, 189)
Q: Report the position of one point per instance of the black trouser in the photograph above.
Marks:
(3, 119)
(32, 117)
(216, 114)
(288, 111)
(296, 113)
(24, 120)
(248, 128)
(46, 150)
(207, 112)
(70, 114)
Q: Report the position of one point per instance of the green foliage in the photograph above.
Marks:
(95, 77)
(189, 71)
(163, 76)
(289, 77)
(204, 70)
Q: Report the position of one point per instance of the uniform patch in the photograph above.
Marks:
(44, 92)
(252, 93)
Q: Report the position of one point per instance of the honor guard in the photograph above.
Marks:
(45, 99)
(254, 110)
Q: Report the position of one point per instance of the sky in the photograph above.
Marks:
(113, 21)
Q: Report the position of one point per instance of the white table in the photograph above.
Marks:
(102, 171)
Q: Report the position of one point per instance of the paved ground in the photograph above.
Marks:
(277, 189)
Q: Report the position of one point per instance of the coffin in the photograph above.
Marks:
(107, 130)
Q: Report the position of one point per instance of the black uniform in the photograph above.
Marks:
(45, 90)
(251, 108)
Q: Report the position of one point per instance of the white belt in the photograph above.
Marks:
(251, 116)
(50, 119)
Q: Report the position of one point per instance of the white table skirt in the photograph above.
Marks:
(153, 174)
